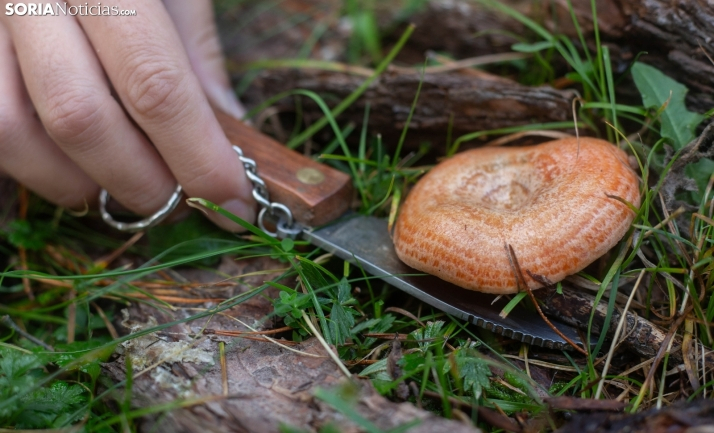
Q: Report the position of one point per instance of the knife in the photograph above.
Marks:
(319, 198)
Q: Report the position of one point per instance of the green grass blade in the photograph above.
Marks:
(509, 130)
(403, 136)
(611, 90)
(349, 100)
(362, 150)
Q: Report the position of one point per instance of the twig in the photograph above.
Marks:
(247, 336)
(284, 346)
(224, 369)
(543, 364)
(234, 333)
(367, 72)
(21, 251)
(664, 348)
(686, 354)
(325, 345)
(512, 137)
(71, 316)
(391, 336)
(110, 327)
(106, 260)
(464, 63)
(521, 283)
(616, 337)
(556, 330)
(5, 320)
(362, 362)
(175, 299)
(526, 361)
(415, 392)
(405, 313)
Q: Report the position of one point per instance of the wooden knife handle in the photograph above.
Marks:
(315, 193)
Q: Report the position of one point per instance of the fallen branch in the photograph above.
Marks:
(461, 102)
(643, 337)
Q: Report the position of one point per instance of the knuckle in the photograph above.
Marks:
(154, 86)
(73, 115)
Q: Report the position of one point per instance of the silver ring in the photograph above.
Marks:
(147, 222)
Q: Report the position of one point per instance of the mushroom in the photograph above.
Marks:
(560, 205)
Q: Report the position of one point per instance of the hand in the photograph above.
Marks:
(119, 102)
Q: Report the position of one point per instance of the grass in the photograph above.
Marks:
(63, 293)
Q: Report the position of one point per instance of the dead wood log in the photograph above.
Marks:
(462, 28)
(639, 334)
(466, 102)
(676, 179)
(251, 31)
(696, 416)
(267, 385)
(676, 37)
(254, 30)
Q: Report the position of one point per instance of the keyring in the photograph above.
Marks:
(147, 222)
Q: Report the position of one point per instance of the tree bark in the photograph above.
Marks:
(674, 36)
(680, 417)
(267, 385)
(463, 102)
(638, 334)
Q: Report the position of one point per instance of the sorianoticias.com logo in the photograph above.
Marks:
(62, 8)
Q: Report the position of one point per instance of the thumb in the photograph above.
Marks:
(196, 26)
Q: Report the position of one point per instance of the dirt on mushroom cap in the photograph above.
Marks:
(554, 203)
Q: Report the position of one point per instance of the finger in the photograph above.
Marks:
(28, 154)
(67, 86)
(145, 60)
(196, 26)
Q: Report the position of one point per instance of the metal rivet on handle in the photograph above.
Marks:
(310, 176)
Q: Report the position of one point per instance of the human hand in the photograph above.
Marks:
(121, 103)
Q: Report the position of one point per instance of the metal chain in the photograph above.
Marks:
(276, 213)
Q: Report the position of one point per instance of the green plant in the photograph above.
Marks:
(447, 363)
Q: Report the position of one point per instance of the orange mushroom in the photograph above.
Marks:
(556, 204)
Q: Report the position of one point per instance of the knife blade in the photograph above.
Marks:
(365, 241)
(319, 198)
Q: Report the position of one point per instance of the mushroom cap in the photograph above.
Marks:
(553, 203)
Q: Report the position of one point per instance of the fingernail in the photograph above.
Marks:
(225, 99)
(236, 207)
(233, 105)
